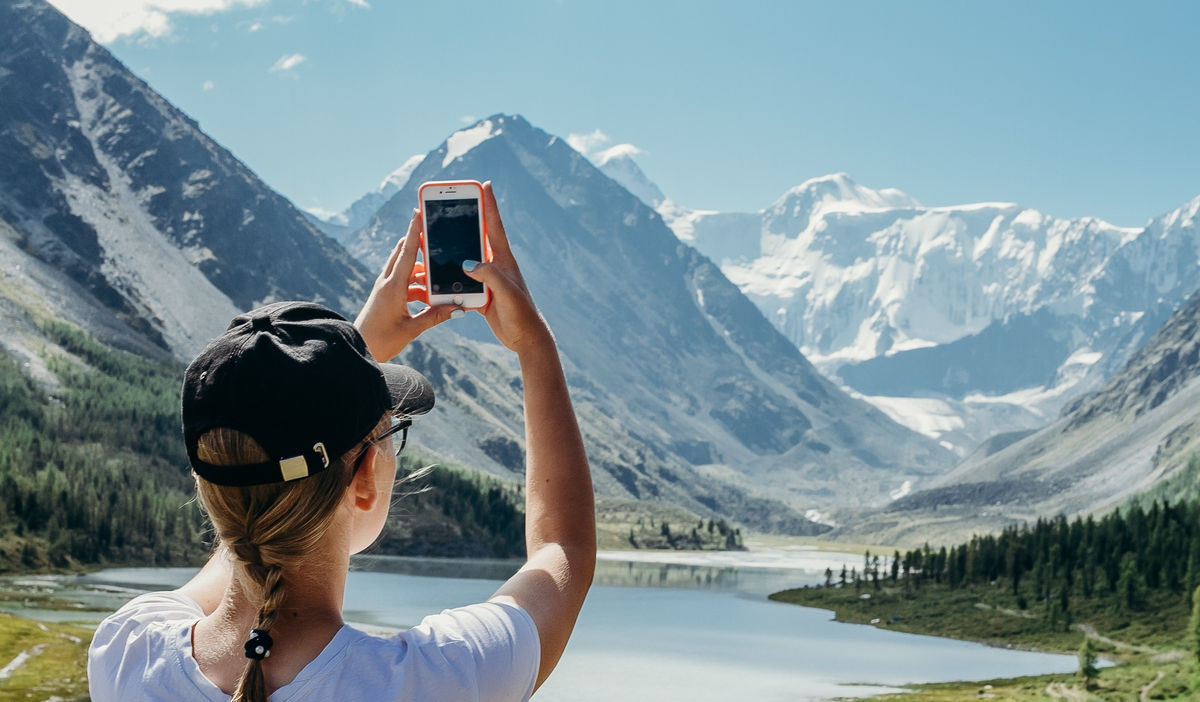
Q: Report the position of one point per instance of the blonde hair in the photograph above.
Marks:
(268, 527)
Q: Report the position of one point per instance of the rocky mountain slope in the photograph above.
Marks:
(678, 366)
(1139, 431)
(106, 183)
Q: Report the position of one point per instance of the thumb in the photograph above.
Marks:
(487, 274)
(432, 316)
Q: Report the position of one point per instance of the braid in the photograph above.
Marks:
(272, 598)
(252, 687)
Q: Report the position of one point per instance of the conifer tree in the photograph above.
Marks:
(1129, 585)
(1194, 625)
(1087, 663)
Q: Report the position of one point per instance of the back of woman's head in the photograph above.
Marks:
(276, 412)
(268, 529)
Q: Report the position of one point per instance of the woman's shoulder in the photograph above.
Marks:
(145, 612)
(486, 651)
(151, 630)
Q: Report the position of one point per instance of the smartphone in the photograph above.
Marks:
(452, 212)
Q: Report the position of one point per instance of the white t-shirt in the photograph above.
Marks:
(486, 651)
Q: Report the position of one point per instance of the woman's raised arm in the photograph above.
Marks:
(560, 527)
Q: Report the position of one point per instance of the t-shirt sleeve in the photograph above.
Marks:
(500, 639)
(113, 657)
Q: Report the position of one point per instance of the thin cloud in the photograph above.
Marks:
(468, 119)
(360, 3)
(595, 146)
(288, 62)
(208, 85)
(255, 27)
(618, 151)
(587, 143)
(147, 19)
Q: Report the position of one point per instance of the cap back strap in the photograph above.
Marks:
(285, 470)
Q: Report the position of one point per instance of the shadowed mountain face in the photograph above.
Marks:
(657, 338)
(1138, 434)
(105, 181)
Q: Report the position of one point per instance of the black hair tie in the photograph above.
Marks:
(259, 645)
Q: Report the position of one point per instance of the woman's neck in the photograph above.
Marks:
(309, 617)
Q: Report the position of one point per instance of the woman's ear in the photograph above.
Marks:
(365, 486)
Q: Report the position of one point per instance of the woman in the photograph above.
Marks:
(291, 426)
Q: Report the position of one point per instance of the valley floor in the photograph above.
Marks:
(1145, 650)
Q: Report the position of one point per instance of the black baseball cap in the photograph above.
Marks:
(297, 378)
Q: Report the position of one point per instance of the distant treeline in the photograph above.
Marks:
(93, 472)
(710, 536)
(1125, 557)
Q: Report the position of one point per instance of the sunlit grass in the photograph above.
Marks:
(56, 663)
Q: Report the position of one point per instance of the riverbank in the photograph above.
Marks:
(1146, 648)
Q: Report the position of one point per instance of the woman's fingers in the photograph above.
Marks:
(495, 228)
(408, 251)
(392, 258)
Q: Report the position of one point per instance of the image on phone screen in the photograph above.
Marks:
(453, 237)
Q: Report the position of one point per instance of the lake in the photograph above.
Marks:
(658, 626)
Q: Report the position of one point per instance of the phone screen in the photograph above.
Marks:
(453, 237)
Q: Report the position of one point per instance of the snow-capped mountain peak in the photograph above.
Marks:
(399, 178)
(617, 163)
(806, 203)
(462, 141)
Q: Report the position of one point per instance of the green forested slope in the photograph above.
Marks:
(94, 472)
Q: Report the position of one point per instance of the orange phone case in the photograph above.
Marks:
(487, 244)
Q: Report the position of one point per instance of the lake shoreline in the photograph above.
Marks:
(649, 616)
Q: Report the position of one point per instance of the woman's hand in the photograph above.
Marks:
(510, 313)
(385, 322)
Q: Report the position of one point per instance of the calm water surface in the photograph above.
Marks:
(695, 628)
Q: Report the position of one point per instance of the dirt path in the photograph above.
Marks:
(1005, 610)
(1090, 631)
(1060, 691)
(1145, 696)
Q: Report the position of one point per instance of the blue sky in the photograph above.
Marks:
(1075, 108)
